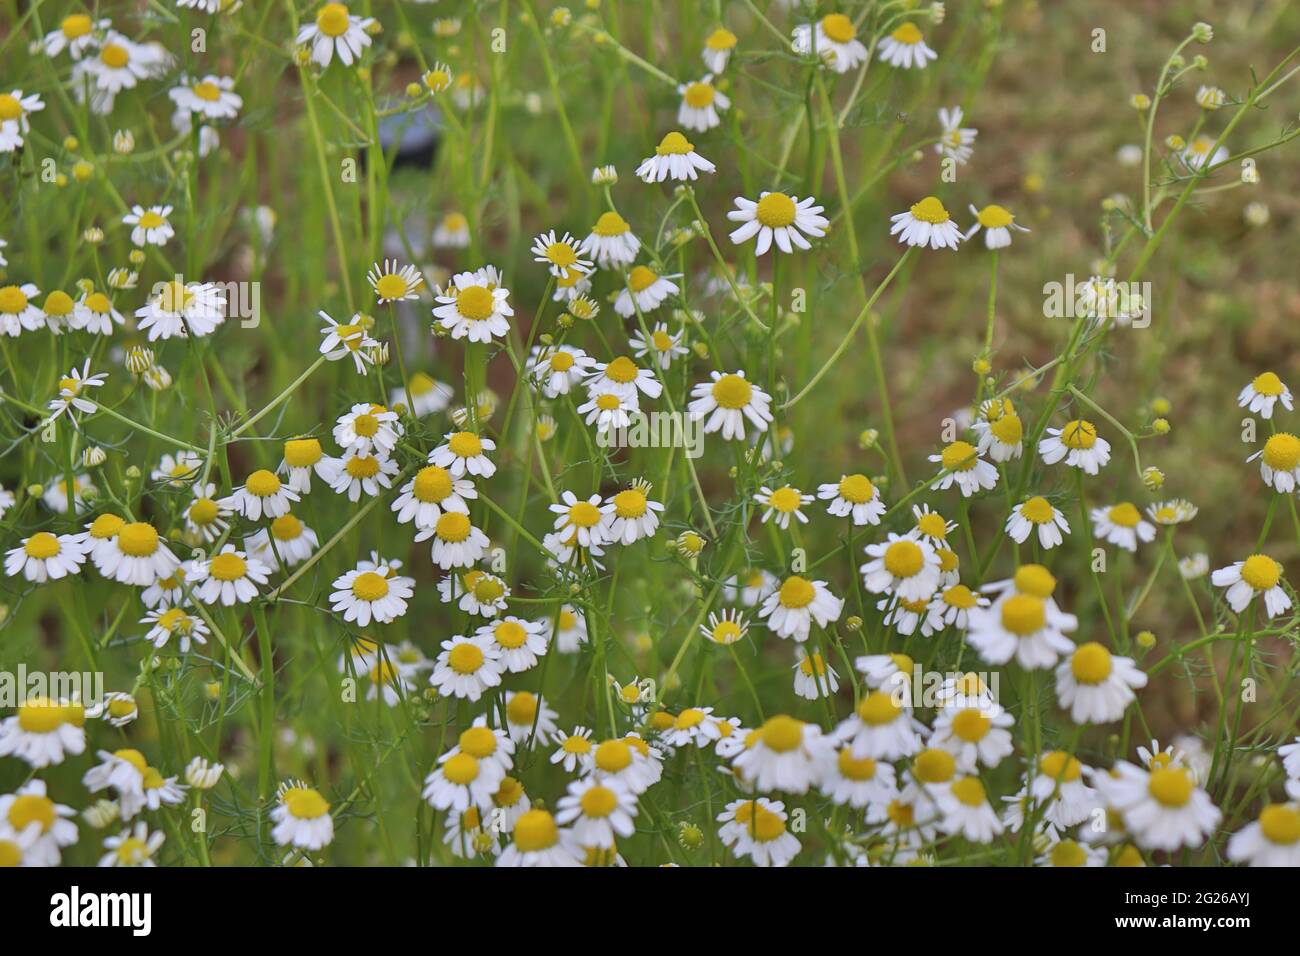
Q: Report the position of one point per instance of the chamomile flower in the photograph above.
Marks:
(785, 754)
(452, 231)
(750, 587)
(700, 104)
(791, 609)
(262, 493)
(783, 503)
(364, 595)
(1078, 443)
(1058, 785)
(962, 466)
(1024, 623)
(661, 345)
(1263, 393)
(905, 48)
(45, 557)
(1197, 154)
(528, 717)
(853, 495)
(997, 224)
(120, 64)
(611, 242)
(625, 377)
(56, 493)
(756, 829)
(178, 470)
(476, 592)
(926, 223)
(1037, 514)
(1271, 840)
(539, 842)
(302, 456)
(726, 403)
(630, 515)
(1258, 574)
(1163, 808)
(60, 311)
(813, 676)
(426, 395)
(180, 309)
(229, 577)
(18, 309)
(674, 158)
(369, 429)
(779, 219)
(1070, 853)
(44, 826)
(574, 751)
(560, 255)
(462, 779)
(475, 306)
(335, 31)
(71, 389)
(976, 734)
(597, 811)
(999, 429)
(14, 111)
(964, 808)
(301, 817)
(429, 493)
(727, 629)
(43, 732)
(519, 643)
(833, 39)
(464, 453)
(456, 542)
(1279, 463)
(136, 555)
(645, 291)
(1122, 525)
(77, 33)
(116, 709)
(951, 607)
(903, 616)
(858, 781)
(166, 623)
(582, 519)
(558, 368)
(347, 339)
(212, 97)
(132, 847)
(902, 565)
(882, 726)
(691, 726)
(955, 142)
(394, 284)
(1097, 686)
(467, 667)
(718, 47)
(1172, 512)
(150, 226)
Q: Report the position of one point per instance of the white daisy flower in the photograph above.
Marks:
(750, 587)
(427, 395)
(476, 592)
(150, 226)
(456, 542)
(42, 825)
(645, 291)
(997, 224)
(467, 667)
(663, 346)
(926, 223)
(858, 781)
(611, 242)
(1258, 574)
(1163, 809)
(962, 466)
(1097, 686)
(1122, 526)
(700, 104)
(18, 309)
(629, 515)
(120, 64)
(179, 309)
(539, 842)
(608, 407)
(212, 97)
(474, 306)
(1037, 514)
(302, 456)
(429, 493)
(832, 39)
(136, 555)
(575, 752)
(1271, 840)
(261, 494)
(560, 255)
(452, 231)
(1172, 512)
(580, 518)
(999, 429)
(905, 48)
(380, 595)
(558, 368)
(1078, 443)
(1279, 463)
(341, 340)
(117, 708)
(975, 735)
(791, 609)
(393, 284)
(718, 47)
(43, 732)
(1024, 623)
(335, 31)
(756, 829)
(783, 503)
(964, 808)
(597, 811)
(777, 219)
(70, 394)
(951, 607)
(464, 453)
(813, 676)
(518, 643)
(462, 779)
(77, 33)
(570, 630)
(1265, 391)
(626, 377)
(853, 495)
(785, 754)
(903, 565)
(728, 401)
(1197, 155)
(45, 557)
(14, 125)
(955, 143)
(229, 577)
(168, 622)
(675, 157)
(882, 726)
(302, 818)
(528, 717)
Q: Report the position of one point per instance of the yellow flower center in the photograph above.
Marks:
(608, 402)
(1036, 580)
(286, 528)
(42, 546)
(598, 801)
(332, 20)
(1171, 786)
(75, 26)
(228, 566)
(453, 527)
(782, 733)
(510, 635)
(854, 769)
(561, 361)
(1079, 434)
(812, 666)
(1261, 572)
(1269, 384)
(31, 808)
(465, 658)
(970, 725)
(432, 484)
(40, 715)
(630, 503)
(10, 854)
(661, 340)
(584, 515)
(391, 286)
(969, 791)
(1280, 824)
(1024, 614)
(1091, 663)
(1282, 452)
(1037, 510)
(561, 254)
(960, 596)
(610, 224)
(114, 56)
(475, 303)
(907, 33)
(726, 632)
(959, 456)
(934, 766)
(1007, 429)
(465, 445)
(775, 210)
(460, 769)
(302, 452)
(478, 742)
(262, 483)
(362, 466)
(12, 300)
(370, 586)
(1058, 765)
(207, 90)
(522, 708)
(98, 303)
(878, 709)
(535, 831)
(838, 28)
(613, 756)
(1124, 514)
(674, 144)
(699, 95)
(785, 499)
(903, 559)
(151, 220)
(796, 592)
(732, 391)
(720, 39)
(995, 217)
(1068, 853)
(641, 278)
(138, 539)
(57, 303)
(930, 210)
